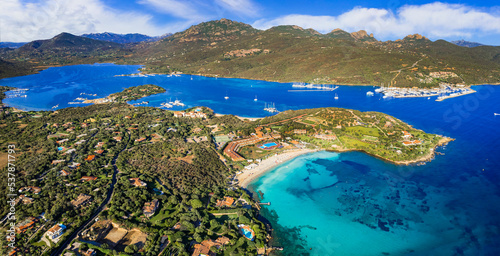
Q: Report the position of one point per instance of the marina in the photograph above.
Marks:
(166, 105)
(88, 94)
(444, 91)
(17, 93)
(177, 103)
(140, 103)
(270, 108)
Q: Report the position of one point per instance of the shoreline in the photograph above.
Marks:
(427, 158)
(240, 117)
(247, 176)
(449, 97)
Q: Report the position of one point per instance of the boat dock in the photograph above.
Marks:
(444, 91)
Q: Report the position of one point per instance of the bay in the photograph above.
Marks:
(338, 204)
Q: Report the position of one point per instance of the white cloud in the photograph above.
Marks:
(22, 22)
(243, 7)
(436, 20)
(180, 9)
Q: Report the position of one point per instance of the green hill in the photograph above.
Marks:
(291, 53)
(226, 48)
(64, 42)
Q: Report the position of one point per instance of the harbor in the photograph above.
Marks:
(17, 93)
(171, 104)
(270, 108)
(444, 91)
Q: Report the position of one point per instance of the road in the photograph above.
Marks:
(68, 240)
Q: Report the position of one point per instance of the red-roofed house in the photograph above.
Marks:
(140, 139)
(88, 178)
(227, 202)
(137, 182)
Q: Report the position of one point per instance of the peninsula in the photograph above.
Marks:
(158, 180)
(129, 94)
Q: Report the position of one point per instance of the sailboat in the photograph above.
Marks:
(336, 96)
(255, 98)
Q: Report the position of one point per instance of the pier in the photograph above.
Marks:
(268, 203)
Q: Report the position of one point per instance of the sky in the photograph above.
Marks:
(27, 20)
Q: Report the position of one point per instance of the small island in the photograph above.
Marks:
(129, 94)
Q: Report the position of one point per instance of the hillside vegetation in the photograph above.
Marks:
(226, 48)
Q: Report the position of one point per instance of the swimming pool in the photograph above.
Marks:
(268, 145)
(247, 231)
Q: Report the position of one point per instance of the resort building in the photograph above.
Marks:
(227, 202)
(34, 190)
(56, 231)
(204, 247)
(74, 165)
(137, 182)
(140, 139)
(299, 131)
(88, 178)
(61, 141)
(81, 200)
(14, 251)
(233, 147)
(25, 225)
(325, 137)
(412, 142)
(202, 250)
(80, 142)
(89, 252)
(64, 173)
(406, 135)
(194, 114)
(24, 199)
(149, 208)
(90, 158)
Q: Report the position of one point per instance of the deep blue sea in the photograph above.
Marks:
(340, 204)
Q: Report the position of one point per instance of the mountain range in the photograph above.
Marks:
(466, 43)
(124, 38)
(226, 48)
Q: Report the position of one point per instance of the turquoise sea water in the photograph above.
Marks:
(340, 204)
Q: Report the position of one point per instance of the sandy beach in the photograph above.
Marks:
(267, 164)
(241, 118)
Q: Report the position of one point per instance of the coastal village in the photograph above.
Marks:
(142, 181)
